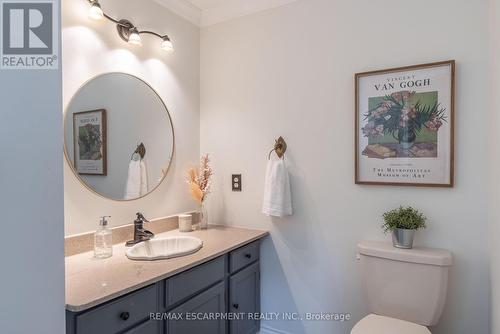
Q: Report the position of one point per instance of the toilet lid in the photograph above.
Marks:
(377, 324)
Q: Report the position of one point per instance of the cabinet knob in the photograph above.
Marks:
(248, 255)
(124, 315)
(236, 306)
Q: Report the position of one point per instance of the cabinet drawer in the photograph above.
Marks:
(119, 314)
(243, 256)
(194, 280)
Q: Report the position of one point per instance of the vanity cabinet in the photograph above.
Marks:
(197, 313)
(195, 280)
(149, 327)
(194, 301)
(118, 315)
(243, 256)
(244, 292)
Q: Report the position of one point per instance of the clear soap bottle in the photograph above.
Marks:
(103, 240)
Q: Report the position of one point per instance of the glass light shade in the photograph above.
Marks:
(134, 38)
(166, 44)
(95, 11)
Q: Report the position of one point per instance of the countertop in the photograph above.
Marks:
(90, 281)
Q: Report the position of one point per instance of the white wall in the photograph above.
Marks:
(289, 71)
(494, 147)
(31, 202)
(91, 48)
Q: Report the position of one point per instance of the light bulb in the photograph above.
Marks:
(134, 37)
(95, 11)
(166, 44)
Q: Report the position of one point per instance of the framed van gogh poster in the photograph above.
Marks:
(404, 125)
(89, 142)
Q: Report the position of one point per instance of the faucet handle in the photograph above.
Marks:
(141, 217)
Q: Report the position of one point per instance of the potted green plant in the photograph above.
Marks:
(403, 222)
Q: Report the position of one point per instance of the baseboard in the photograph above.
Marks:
(269, 330)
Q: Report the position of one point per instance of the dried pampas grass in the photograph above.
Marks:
(196, 192)
(199, 182)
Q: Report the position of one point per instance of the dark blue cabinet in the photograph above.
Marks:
(244, 292)
(149, 327)
(243, 256)
(120, 314)
(195, 280)
(201, 314)
(196, 301)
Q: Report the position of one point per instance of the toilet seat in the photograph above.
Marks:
(377, 324)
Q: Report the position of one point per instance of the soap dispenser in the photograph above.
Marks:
(103, 240)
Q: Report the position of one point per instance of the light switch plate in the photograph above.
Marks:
(236, 182)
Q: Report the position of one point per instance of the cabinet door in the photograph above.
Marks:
(201, 314)
(244, 296)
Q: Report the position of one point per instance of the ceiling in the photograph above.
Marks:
(208, 12)
(205, 4)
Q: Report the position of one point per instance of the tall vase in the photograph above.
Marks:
(203, 216)
(406, 137)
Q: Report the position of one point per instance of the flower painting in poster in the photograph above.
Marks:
(89, 130)
(404, 125)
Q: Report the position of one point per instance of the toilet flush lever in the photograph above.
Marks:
(358, 257)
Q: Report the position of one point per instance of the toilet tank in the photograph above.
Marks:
(407, 284)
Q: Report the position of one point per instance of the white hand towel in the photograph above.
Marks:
(144, 178)
(133, 186)
(277, 196)
(137, 183)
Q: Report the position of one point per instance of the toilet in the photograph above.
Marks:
(405, 288)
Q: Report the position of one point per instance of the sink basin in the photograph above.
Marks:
(164, 248)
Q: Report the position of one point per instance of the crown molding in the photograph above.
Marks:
(184, 9)
(230, 10)
(237, 8)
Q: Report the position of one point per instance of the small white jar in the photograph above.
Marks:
(185, 223)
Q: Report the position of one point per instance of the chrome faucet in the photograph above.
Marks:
(140, 234)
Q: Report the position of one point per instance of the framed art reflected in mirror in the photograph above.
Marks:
(90, 142)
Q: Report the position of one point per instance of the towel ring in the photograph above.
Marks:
(141, 150)
(279, 148)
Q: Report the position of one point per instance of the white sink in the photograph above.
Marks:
(164, 248)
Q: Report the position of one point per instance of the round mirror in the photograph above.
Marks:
(119, 138)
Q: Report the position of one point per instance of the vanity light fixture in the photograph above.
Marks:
(126, 29)
(95, 11)
(134, 38)
(166, 44)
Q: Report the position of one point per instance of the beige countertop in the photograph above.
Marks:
(90, 282)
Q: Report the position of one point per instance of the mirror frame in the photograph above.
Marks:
(68, 161)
